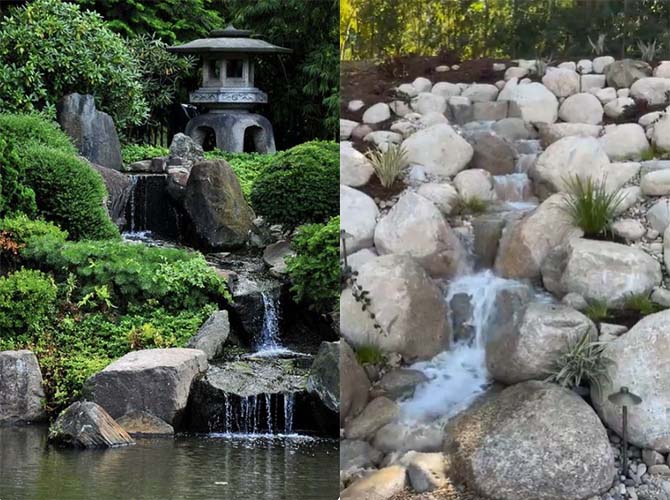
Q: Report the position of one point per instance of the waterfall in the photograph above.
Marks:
(132, 202)
(513, 187)
(256, 415)
(457, 376)
(269, 338)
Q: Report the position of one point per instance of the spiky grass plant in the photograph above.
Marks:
(472, 205)
(648, 50)
(542, 63)
(582, 361)
(641, 304)
(369, 355)
(590, 205)
(597, 311)
(598, 47)
(389, 164)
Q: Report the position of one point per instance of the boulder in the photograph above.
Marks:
(87, 425)
(427, 471)
(275, 254)
(422, 84)
(581, 108)
(407, 89)
(358, 217)
(119, 188)
(92, 131)
(444, 196)
(562, 82)
(512, 129)
(534, 441)
(355, 169)
(144, 424)
(616, 107)
(552, 132)
(380, 485)
(605, 95)
(356, 454)
(660, 136)
(530, 351)
(515, 72)
(357, 259)
(656, 183)
(377, 113)
(662, 70)
(475, 183)
(624, 142)
(382, 138)
(527, 242)
(399, 383)
(354, 384)
(600, 271)
(212, 335)
(154, 380)
(21, 388)
(184, 148)
(379, 412)
(407, 305)
(584, 66)
(221, 216)
(446, 89)
(628, 229)
(439, 150)
(346, 128)
(416, 227)
(533, 101)
(600, 63)
(481, 92)
(489, 110)
(324, 375)
(425, 102)
(658, 216)
(647, 344)
(569, 157)
(622, 74)
(653, 90)
(589, 82)
(494, 154)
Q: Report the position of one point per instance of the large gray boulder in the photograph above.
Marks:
(154, 380)
(212, 335)
(532, 101)
(354, 384)
(530, 350)
(640, 362)
(324, 375)
(87, 425)
(406, 303)
(119, 188)
(653, 90)
(494, 154)
(439, 150)
(534, 441)
(355, 168)
(221, 216)
(184, 148)
(600, 271)
(416, 227)
(92, 131)
(622, 74)
(21, 388)
(358, 217)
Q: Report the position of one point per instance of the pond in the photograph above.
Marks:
(209, 466)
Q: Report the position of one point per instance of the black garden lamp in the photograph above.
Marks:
(624, 398)
(344, 236)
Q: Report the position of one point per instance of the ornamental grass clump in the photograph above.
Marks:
(590, 205)
(389, 164)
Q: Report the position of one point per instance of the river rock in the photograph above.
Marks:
(459, 110)
(530, 351)
(87, 425)
(656, 183)
(658, 215)
(212, 335)
(622, 74)
(426, 102)
(92, 131)
(601, 62)
(354, 384)
(562, 82)
(481, 92)
(119, 188)
(527, 242)
(512, 129)
(275, 255)
(446, 89)
(533, 101)
(426, 471)
(647, 344)
(600, 271)
(355, 169)
(552, 132)
(628, 229)
(616, 107)
(407, 305)
(494, 154)
(416, 227)
(444, 196)
(221, 216)
(324, 375)
(624, 142)
(581, 108)
(153, 380)
(379, 412)
(346, 128)
(186, 149)
(377, 113)
(21, 388)
(569, 157)
(439, 150)
(422, 84)
(358, 216)
(380, 485)
(399, 383)
(653, 90)
(606, 95)
(535, 441)
(357, 454)
(144, 424)
(660, 136)
(475, 183)
(589, 82)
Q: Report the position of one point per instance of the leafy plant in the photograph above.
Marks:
(648, 50)
(50, 48)
(311, 154)
(641, 304)
(597, 311)
(472, 205)
(315, 269)
(389, 164)
(16, 233)
(369, 355)
(598, 47)
(130, 153)
(581, 362)
(590, 205)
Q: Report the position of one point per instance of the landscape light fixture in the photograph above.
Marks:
(624, 398)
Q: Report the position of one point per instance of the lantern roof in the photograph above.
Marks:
(229, 40)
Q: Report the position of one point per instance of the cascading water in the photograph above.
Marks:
(261, 415)
(268, 343)
(457, 376)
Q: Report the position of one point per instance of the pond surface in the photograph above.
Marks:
(187, 467)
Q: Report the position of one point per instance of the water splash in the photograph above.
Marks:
(269, 343)
(289, 407)
(258, 415)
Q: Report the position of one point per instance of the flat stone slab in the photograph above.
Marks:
(87, 425)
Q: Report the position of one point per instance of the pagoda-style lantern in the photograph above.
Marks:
(228, 90)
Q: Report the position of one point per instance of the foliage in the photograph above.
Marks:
(590, 204)
(130, 153)
(315, 269)
(14, 195)
(16, 232)
(597, 311)
(472, 205)
(50, 48)
(21, 129)
(173, 278)
(388, 164)
(641, 304)
(369, 355)
(581, 362)
(27, 299)
(598, 47)
(247, 166)
(648, 50)
(325, 154)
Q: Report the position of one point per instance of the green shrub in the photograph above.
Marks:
(68, 192)
(312, 154)
(15, 196)
(298, 195)
(21, 229)
(590, 205)
(27, 301)
(22, 129)
(134, 273)
(315, 269)
(50, 48)
(247, 166)
(131, 153)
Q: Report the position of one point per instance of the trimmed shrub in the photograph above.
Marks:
(315, 269)
(138, 152)
(20, 129)
(16, 233)
(15, 196)
(27, 301)
(312, 154)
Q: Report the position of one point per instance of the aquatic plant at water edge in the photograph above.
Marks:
(389, 164)
(590, 204)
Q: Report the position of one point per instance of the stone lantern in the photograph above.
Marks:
(228, 90)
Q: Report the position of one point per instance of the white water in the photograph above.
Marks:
(269, 345)
(458, 376)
